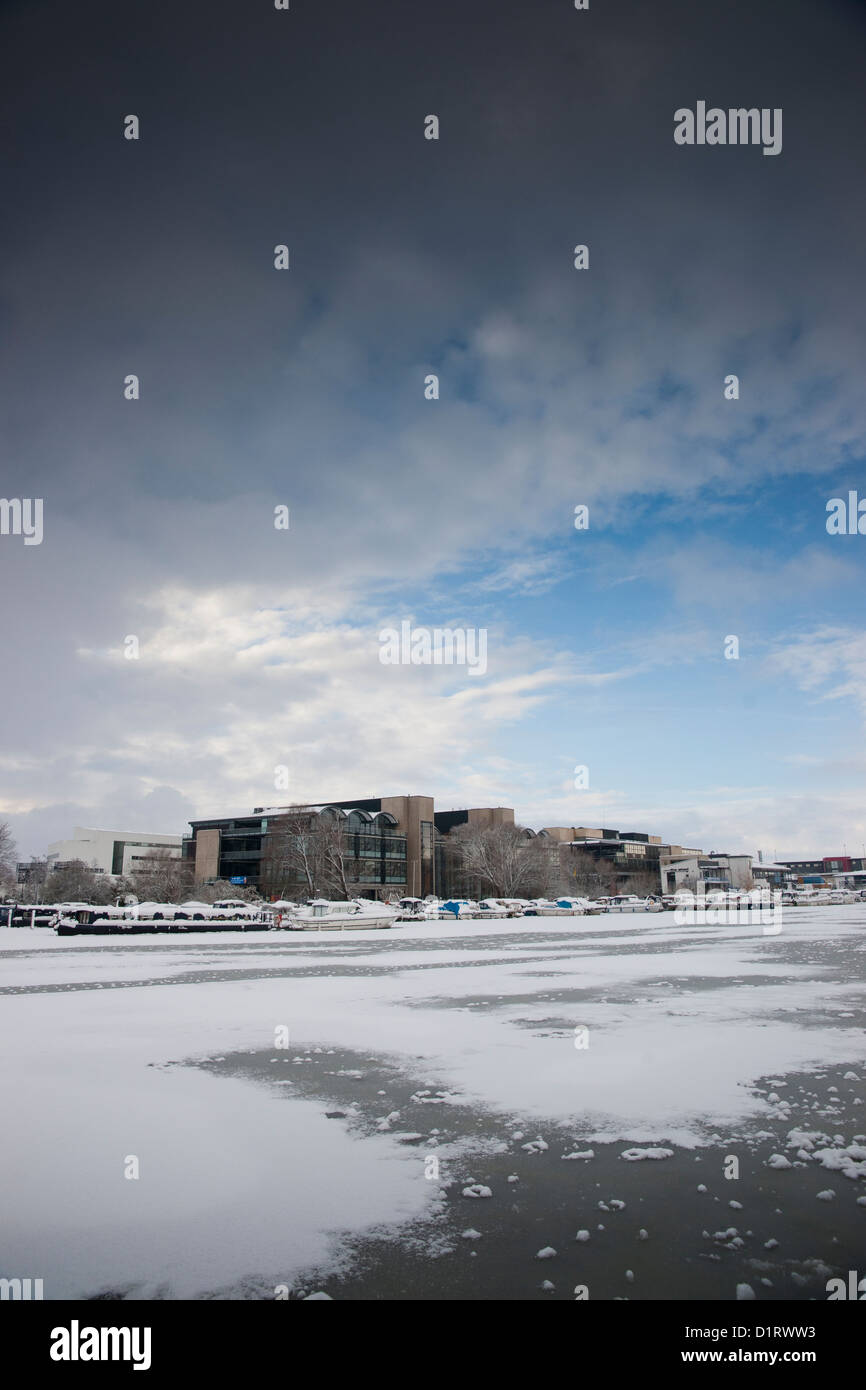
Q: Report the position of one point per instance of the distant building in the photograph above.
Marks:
(111, 851)
(831, 869)
(30, 871)
(399, 846)
(394, 844)
(767, 873)
(630, 859)
(712, 871)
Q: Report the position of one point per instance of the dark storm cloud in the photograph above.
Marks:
(259, 127)
(408, 256)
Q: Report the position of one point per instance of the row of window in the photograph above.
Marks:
(366, 846)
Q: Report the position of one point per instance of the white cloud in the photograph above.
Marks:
(829, 662)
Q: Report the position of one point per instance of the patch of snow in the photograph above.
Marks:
(636, 1155)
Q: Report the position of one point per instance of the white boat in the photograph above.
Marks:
(540, 907)
(500, 907)
(577, 907)
(549, 907)
(321, 914)
(418, 910)
(727, 898)
(732, 901)
(813, 897)
(409, 909)
(630, 902)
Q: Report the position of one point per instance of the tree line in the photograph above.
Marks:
(306, 857)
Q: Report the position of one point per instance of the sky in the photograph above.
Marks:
(259, 648)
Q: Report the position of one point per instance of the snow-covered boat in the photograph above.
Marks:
(30, 914)
(577, 907)
(812, 897)
(320, 914)
(727, 898)
(147, 918)
(501, 907)
(418, 910)
(452, 908)
(630, 902)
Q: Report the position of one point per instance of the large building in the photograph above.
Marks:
(400, 845)
(393, 844)
(626, 860)
(111, 851)
(708, 872)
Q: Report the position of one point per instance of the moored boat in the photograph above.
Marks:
(320, 914)
(630, 902)
(501, 907)
(418, 909)
(454, 908)
(159, 918)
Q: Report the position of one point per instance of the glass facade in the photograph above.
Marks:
(376, 858)
(375, 855)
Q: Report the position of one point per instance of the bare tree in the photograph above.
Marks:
(588, 876)
(502, 861)
(293, 862)
(644, 882)
(7, 858)
(224, 888)
(336, 860)
(163, 877)
(32, 888)
(308, 855)
(74, 881)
